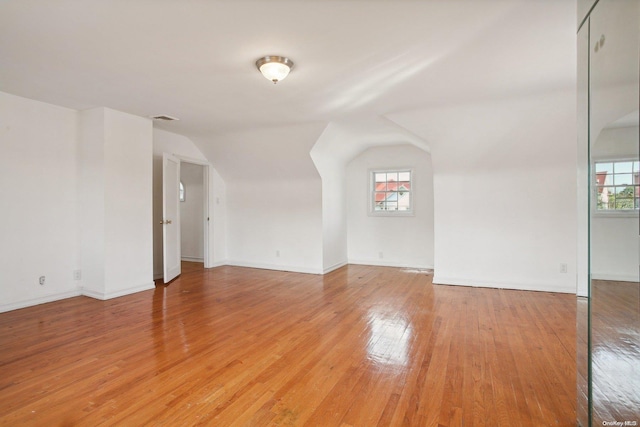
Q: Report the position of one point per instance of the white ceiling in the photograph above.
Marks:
(354, 60)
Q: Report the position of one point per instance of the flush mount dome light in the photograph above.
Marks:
(274, 68)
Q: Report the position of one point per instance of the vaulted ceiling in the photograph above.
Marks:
(356, 61)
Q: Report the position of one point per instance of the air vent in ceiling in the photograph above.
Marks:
(165, 118)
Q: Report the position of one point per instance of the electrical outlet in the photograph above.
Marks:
(77, 274)
(41, 280)
(380, 255)
(563, 268)
(277, 254)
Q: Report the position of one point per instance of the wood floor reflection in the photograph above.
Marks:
(361, 346)
(615, 352)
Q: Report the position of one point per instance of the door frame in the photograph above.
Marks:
(206, 214)
(170, 219)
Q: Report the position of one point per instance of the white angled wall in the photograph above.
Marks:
(405, 241)
(276, 224)
(273, 210)
(38, 192)
(334, 217)
(505, 195)
(504, 191)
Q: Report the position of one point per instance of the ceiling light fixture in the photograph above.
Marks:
(274, 68)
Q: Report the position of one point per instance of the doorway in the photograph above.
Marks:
(193, 215)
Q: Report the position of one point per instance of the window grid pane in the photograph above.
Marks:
(391, 191)
(617, 185)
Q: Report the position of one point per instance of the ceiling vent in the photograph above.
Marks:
(165, 118)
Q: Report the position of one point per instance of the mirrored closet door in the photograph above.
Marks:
(609, 369)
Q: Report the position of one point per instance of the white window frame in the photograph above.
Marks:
(372, 201)
(609, 213)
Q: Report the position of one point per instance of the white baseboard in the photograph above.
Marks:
(614, 277)
(334, 267)
(160, 275)
(385, 263)
(277, 267)
(119, 293)
(192, 259)
(40, 300)
(219, 263)
(520, 286)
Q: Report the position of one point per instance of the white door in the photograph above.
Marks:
(170, 216)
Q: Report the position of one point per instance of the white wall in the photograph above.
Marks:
(331, 168)
(274, 196)
(614, 248)
(192, 212)
(128, 203)
(334, 218)
(615, 254)
(404, 241)
(77, 194)
(184, 148)
(276, 224)
(91, 199)
(339, 143)
(38, 219)
(504, 191)
(116, 203)
(218, 219)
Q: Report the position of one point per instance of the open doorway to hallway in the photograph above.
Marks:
(193, 208)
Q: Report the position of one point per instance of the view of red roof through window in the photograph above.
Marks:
(392, 191)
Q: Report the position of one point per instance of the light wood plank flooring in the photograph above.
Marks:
(361, 346)
(615, 346)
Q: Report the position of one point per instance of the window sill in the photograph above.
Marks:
(392, 214)
(616, 214)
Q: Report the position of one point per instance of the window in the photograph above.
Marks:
(617, 185)
(181, 192)
(391, 192)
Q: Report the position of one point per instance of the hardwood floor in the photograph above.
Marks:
(615, 345)
(361, 346)
(190, 267)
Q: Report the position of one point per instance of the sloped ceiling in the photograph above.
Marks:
(355, 61)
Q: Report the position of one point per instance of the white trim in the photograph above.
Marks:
(629, 157)
(334, 267)
(120, 293)
(277, 267)
(520, 286)
(614, 277)
(386, 263)
(615, 213)
(39, 300)
(218, 264)
(192, 259)
(406, 214)
(206, 200)
(192, 160)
